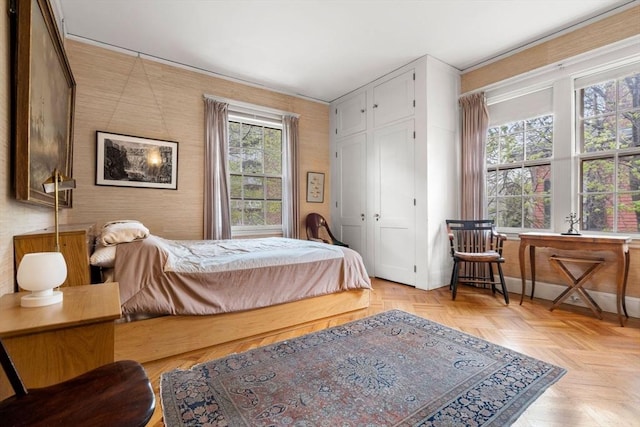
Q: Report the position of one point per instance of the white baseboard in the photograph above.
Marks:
(548, 291)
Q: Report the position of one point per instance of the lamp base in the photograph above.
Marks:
(37, 299)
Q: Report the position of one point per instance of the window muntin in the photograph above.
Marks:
(255, 168)
(519, 173)
(609, 154)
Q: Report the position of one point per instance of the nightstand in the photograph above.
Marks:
(76, 244)
(53, 343)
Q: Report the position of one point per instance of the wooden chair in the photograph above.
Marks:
(117, 394)
(318, 230)
(477, 245)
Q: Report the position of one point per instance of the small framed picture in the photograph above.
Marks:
(315, 187)
(131, 161)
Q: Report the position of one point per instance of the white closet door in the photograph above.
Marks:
(394, 216)
(394, 99)
(351, 174)
(351, 115)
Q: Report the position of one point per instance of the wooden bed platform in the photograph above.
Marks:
(160, 337)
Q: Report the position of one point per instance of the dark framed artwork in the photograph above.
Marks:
(315, 187)
(132, 161)
(44, 100)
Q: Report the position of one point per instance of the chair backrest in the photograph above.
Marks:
(476, 235)
(318, 229)
(11, 372)
(114, 394)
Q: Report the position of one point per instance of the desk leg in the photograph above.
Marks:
(522, 248)
(532, 261)
(621, 282)
(624, 287)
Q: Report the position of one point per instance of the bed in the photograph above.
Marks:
(183, 295)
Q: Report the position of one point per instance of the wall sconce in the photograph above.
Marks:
(41, 272)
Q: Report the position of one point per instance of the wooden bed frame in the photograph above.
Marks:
(160, 337)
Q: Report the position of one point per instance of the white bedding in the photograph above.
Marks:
(201, 256)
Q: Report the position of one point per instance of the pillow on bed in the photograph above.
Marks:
(103, 256)
(126, 231)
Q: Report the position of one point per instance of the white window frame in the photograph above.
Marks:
(565, 167)
(515, 108)
(265, 121)
(613, 154)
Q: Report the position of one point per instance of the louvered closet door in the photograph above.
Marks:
(394, 216)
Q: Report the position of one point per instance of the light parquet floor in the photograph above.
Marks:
(600, 389)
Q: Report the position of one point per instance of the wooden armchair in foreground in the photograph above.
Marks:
(116, 394)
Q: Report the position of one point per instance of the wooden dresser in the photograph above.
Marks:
(76, 244)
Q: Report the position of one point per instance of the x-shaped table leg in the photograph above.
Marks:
(575, 284)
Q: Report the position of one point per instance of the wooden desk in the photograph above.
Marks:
(618, 245)
(53, 343)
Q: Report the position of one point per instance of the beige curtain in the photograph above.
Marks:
(290, 196)
(217, 222)
(475, 121)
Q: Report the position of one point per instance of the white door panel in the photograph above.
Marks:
(394, 217)
(353, 235)
(394, 249)
(394, 99)
(351, 161)
(351, 115)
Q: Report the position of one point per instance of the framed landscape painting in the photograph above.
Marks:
(131, 161)
(44, 94)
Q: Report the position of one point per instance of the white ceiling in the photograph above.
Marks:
(322, 49)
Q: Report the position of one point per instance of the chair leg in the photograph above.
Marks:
(492, 278)
(453, 272)
(454, 279)
(504, 286)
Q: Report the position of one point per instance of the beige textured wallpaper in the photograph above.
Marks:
(128, 95)
(598, 34)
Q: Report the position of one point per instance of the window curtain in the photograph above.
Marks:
(475, 122)
(290, 204)
(217, 216)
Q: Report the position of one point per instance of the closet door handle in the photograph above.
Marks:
(375, 105)
(377, 217)
(362, 217)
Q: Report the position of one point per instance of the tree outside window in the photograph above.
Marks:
(255, 167)
(519, 173)
(609, 134)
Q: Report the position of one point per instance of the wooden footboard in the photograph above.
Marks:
(153, 339)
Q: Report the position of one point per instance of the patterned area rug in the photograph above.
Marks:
(391, 369)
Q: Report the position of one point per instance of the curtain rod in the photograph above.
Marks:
(249, 106)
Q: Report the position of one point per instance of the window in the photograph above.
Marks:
(565, 140)
(518, 158)
(608, 122)
(519, 173)
(255, 168)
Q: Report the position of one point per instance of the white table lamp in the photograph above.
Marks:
(40, 273)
